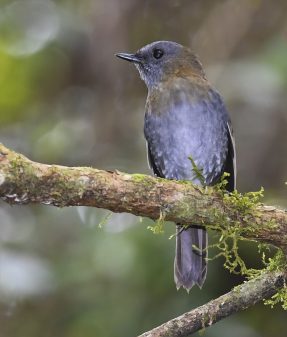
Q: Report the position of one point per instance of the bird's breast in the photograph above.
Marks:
(186, 122)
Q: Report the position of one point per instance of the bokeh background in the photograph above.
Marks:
(65, 99)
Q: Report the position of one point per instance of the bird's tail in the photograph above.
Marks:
(190, 264)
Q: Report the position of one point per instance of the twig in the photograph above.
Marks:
(238, 299)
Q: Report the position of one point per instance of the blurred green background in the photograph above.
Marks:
(65, 99)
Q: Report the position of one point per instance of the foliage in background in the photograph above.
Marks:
(65, 99)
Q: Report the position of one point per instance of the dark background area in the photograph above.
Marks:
(65, 99)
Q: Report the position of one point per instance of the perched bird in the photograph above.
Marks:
(186, 127)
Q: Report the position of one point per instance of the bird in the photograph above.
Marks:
(189, 137)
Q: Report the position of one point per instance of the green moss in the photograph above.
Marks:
(230, 234)
(221, 185)
(244, 203)
(230, 230)
(240, 207)
(24, 172)
(137, 177)
(198, 172)
(142, 178)
(279, 298)
(277, 263)
(157, 228)
(25, 178)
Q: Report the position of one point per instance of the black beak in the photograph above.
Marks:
(129, 57)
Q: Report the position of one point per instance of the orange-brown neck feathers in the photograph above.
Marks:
(185, 65)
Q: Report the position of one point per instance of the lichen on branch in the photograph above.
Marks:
(266, 285)
(23, 181)
(234, 215)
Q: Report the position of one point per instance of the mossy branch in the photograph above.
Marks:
(238, 299)
(25, 182)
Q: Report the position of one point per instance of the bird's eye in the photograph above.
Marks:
(157, 53)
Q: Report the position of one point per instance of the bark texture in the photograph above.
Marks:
(238, 299)
(23, 181)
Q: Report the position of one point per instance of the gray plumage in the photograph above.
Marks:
(185, 117)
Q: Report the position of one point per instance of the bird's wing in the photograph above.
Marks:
(151, 163)
(230, 164)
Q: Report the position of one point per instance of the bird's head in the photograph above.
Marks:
(161, 59)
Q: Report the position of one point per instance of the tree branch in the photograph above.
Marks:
(23, 181)
(240, 298)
